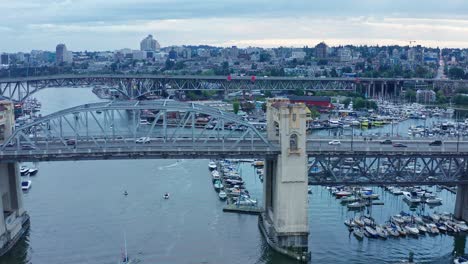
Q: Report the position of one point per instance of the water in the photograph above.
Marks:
(79, 215)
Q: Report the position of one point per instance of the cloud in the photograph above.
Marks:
(99, 24)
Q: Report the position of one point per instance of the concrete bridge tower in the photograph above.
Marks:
(13, 219)
(461, 202)
(284, 222)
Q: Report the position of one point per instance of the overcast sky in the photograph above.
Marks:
(116, 24)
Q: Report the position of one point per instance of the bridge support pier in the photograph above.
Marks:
(461, 202)
(285, 222)
(14, 221)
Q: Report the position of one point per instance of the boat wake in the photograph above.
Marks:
(175, 164)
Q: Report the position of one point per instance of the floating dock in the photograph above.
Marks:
(243, 209)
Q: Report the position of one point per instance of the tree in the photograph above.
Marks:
(299, 92)
(347, 70)
(268, 94)
(235, 107)
(333, 72)
(346, 102)
(440, 97)
(456, 73)
(314, 113)
(410, 95)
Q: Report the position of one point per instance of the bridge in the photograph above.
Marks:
(171, 129)
(139, 86)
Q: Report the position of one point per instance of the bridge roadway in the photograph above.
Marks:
(138, 86)
(187, 149)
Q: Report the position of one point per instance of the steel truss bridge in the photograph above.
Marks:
(138, 86)
(117, 130)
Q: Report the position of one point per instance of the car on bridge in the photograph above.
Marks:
(334, 142)
(71, 142)
(436, 143)
(386, 142)
(143, 140)
(399, 145)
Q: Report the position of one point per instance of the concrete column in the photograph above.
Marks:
(461, 203)
(285, 220)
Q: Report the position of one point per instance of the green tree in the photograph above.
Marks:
(268, 94)
(235, 107)
(410, 95)
(440, 97)
(456, 73)
(299, 92)
(314, 113)
(346, 102)
(333, 72)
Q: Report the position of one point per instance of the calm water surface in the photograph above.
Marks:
(79, 215)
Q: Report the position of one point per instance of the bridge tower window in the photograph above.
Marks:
(293, 142)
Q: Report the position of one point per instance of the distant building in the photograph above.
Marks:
(139, 55)
(425, 96)
(4, 59)
(149, 44)
(298, 54)
(345, 54)
(321, 50)
(62, 55)
(320, 102)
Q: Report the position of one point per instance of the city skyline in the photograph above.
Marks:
(91, 25)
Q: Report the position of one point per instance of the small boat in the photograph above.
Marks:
(432, 229)
(461, 260)
(26, 185)
(309, 189)
(422, 229)
(392, 231)
(218, 185)
(212, 165)
(33, 171)
(258, 163)
(411, 229)
(435, 217)
(342, 194)
(418, 220)
(166, 196)
(24, 171)
(370, 232)
(349, 223)
(381, 232)
(461, 225)
(397, 220)
(356, 205)
(215, 175)
(411, 197)
(442, 228)
(222, 195)
(357, 232)
(358, 221)
(125, 193)
(349, 199)
(367, 220)
(434, 200)
(400, 230)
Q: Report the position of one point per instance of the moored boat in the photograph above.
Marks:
(222, 195)
(212, 165)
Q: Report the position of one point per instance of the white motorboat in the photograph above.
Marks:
(342, 193)
(358, 221)
(397, 220)
(432, 228)
(215, 175)
(392, 231)
(410, 229)
(411, 197)
(33, 171)
(25, 185)
(212, 165)
(357, 232)
(24, 170)
(421, 228)
(222, 195)
(349, 223)
(396, 191)
(435, 217)
(309, 189)
(461, 225)
(434, 200)
(381, 232)
(166, 196)
(356, 205)
(370, 231)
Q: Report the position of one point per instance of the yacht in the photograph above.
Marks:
(215, 175)
(218, 185)
(411, 197)
(24, 171)
(33, 171)
(222, 195)
(26, 185)
(212, 165)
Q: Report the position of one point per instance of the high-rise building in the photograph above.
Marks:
(4, 59)
(61, 53)
(149, 44)
(321, 50)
